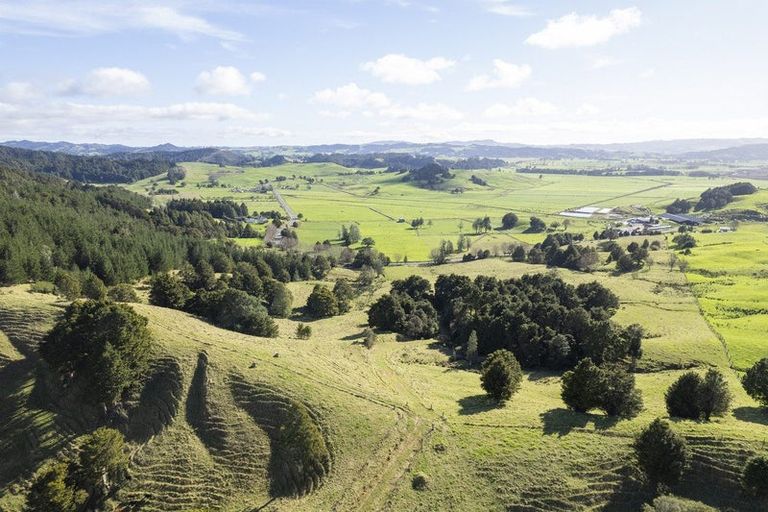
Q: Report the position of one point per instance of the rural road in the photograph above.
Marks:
(284, 205)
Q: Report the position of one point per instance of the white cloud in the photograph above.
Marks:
(257, 77)
(505, 75)
(351, 96)
(423, 112)
(110, 81)
(605, 62)
(574, 30)
(522, 107)
(399, 69)
(648, 73)
(88, 17)
(178, 111)
(506, 8)
(223, 81)
(18, 92)
(587, 109)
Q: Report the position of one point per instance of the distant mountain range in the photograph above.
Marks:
(697, 149)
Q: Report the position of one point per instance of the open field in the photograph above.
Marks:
(729, 273)
(377, 201)
(397, 409)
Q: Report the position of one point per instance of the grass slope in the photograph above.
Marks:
(375, 417)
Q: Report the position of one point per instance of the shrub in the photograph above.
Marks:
(102, 345)
(322, 302)
(501, 375)
(93, 287)
(420, 482)
(123, 293)
(42, 287)
(369, 338)
(168, 291)
(754, 478)
(661, 453)
(67, 285)
(681, 397)
(236, 310)
(755, 381)
(674, 504)
(303, 331)
(684, 241)
(51, 491)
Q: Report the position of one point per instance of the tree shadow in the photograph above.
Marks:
(476, 404)
(562, 421)
(757, 415)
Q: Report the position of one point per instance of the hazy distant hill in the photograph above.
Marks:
(728, 149)
(747, 152)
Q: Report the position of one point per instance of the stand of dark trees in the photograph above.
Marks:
(430, 174)
(717, 197)
(542, 320)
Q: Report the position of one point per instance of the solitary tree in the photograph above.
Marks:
(682, 396)
(501, 375)
(755, 381)
(509, 220)
(661, 453)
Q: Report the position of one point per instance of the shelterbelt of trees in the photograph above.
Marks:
(50, 227)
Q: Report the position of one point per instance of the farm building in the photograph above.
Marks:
(688, 220)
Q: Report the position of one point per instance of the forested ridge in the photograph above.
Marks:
(48, 224)
(87, 169)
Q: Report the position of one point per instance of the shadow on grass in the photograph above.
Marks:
(562, 421)
(757, 415)
(476, 404)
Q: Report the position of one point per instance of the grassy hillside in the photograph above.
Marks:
(211, 427)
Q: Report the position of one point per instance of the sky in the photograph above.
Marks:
(277, 72)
